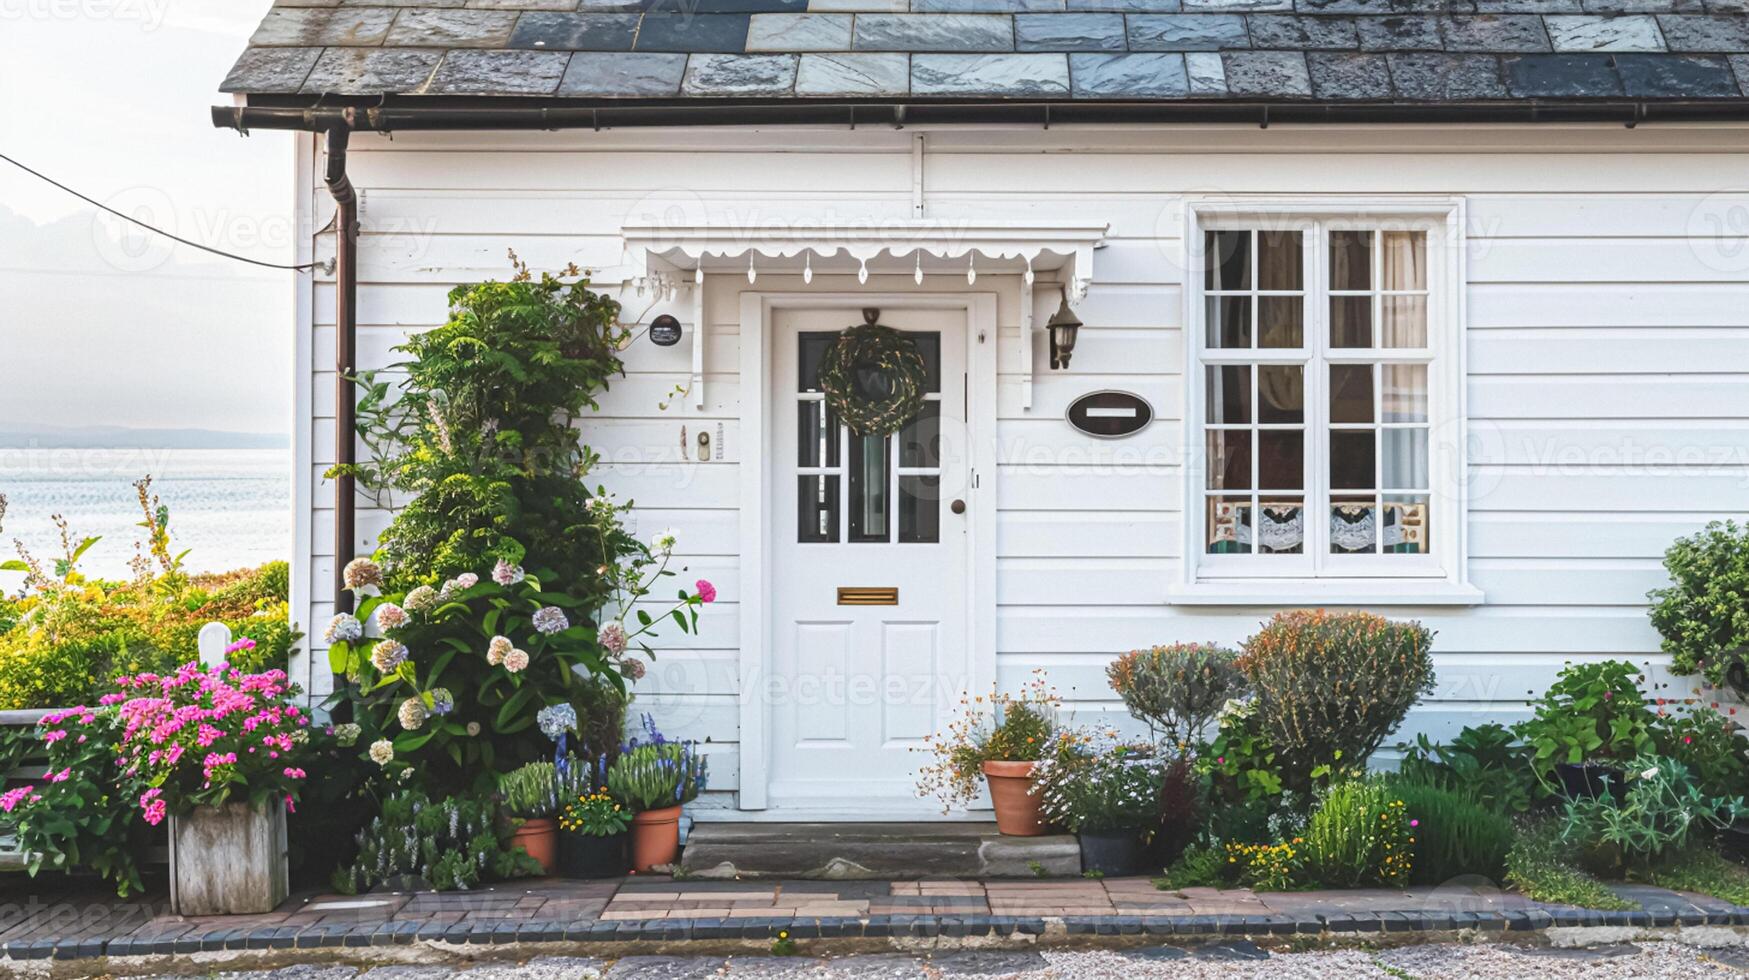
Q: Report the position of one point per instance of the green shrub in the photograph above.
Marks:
(1485, 761)
(1331, 686)
(1703, 614)
(477, 445)
(1359, 834)
(1593, 712)
(1177, 689)
(1711, 745)
(1200, 866)
(1241, 761)
(1661, 812)
(1540, 866)
(1700, 869)
(1455, 833)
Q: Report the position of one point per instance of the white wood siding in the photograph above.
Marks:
(1608, 382)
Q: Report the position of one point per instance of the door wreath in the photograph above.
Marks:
(873, 377)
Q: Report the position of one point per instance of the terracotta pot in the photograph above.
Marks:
(1016, 809)
(655, 838)
(540, 838)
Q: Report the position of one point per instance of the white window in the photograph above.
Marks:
(1324, 421)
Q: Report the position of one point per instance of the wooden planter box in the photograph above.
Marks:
(228, 860)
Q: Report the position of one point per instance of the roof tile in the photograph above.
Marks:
(721, 33)
(852, 75)
(1143, 75)
(1069, 32)
(1238, 6)
(1613, 33)
(466, 72)
(623, 75)
(1349, 76)
(430, 28)
(1666, 76)
(1417, 32)
(999, 75)
(1207, 75)
(799, 32)
(1685, 32)
(1307, 33)
(317, 26)
(1267, 73)
(1495, 32)
(934, 32)
(763, 75)
(1446, 77)
(1187, 32)
(363, 71)
(985, 6)
(1128, 6)
(575, 32)
(271, 70)
(1535, 76)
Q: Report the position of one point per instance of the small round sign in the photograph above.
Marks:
(665, 331)
(1110, 414)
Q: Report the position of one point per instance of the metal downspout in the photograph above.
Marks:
(345, 346)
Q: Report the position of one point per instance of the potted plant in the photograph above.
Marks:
(1000, 738)
(1592, 720)
(655, 779)
(592, 836)
(531, 796)
(1108, 794)
(220, 753)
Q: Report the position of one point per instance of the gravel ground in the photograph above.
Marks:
(1240, 961)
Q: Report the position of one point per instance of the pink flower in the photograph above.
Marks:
(292, 772)
(62, 776)
(12, 798)
(155, 812)
(706, 591)
(1414, 823)
(54, 736)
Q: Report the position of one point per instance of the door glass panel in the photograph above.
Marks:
(920, 439)
(919, 509)
(816, 435)
(810, 350)
(929, 345)
(817, 509)
(870, 480)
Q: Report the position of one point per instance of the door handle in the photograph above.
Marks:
(958, 507)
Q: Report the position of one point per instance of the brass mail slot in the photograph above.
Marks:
(868, 597)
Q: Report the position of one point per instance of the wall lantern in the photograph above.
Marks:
(1063, 325)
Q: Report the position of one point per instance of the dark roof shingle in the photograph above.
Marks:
(1130, 50)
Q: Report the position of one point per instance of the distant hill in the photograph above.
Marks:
(126, 437)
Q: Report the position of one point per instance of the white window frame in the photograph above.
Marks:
(1437, 578)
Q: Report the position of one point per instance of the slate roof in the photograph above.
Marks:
(1329, 51)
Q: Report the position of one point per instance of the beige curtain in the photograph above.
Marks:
(1404, 262)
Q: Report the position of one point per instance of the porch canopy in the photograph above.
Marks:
(673, 257)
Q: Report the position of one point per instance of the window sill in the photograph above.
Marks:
(1324, 592)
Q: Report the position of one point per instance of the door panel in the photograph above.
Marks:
(854, 688)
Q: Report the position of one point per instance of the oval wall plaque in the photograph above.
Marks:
(665, 331)
(1110, 414)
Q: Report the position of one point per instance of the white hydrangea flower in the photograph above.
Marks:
(497, 649)
(389, 616)
(382, 751)
(343, 628)
(516, 661)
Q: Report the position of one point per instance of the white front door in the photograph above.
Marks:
(869, 566)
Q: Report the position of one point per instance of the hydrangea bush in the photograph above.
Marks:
(466, 678)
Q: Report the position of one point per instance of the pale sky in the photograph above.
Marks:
(111, 98)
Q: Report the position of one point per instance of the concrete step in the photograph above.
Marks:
(873, 851)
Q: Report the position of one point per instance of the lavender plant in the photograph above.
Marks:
(658, 773)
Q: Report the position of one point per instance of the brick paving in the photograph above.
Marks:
(51, 917)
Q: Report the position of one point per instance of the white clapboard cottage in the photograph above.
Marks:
(1438, 308)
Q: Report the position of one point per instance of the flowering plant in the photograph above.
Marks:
(1592, 712)
(200, 737)
(81, 813)
(998, 727)
(1101, 785)
(478, 672)
(659, 773)
(595, 814)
